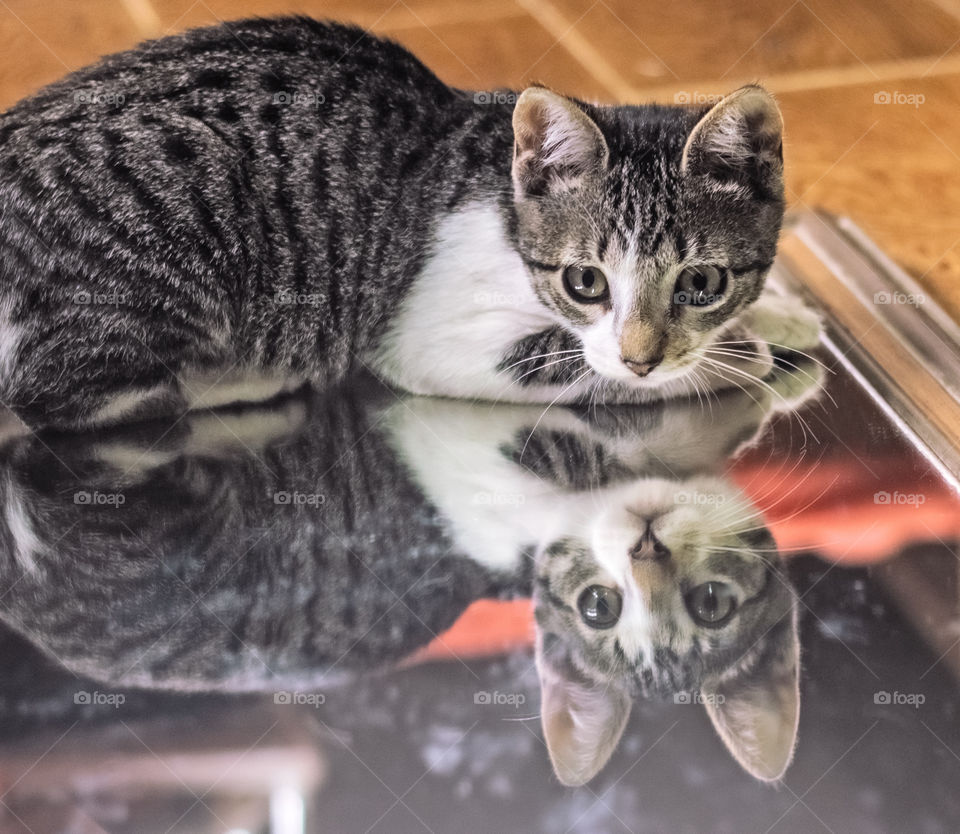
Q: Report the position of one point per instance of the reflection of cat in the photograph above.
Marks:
(186, 561)
(270, 548)
(664, 584)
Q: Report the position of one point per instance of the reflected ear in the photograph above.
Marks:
(756, 714)
(739, 139)
(555, 143)
(582, 722)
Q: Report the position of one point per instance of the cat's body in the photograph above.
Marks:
(277, 201)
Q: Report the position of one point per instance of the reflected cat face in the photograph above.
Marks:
(674, 589)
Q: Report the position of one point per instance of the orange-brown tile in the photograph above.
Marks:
(40, 42)
(176, 15)
(893, 167)
(655, 43)
(490, 55)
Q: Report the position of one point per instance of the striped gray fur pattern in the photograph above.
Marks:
(290, 197)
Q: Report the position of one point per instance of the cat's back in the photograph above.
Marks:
(262, 60)
(208, 173)
(180, 113)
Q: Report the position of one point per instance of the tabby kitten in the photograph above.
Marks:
(272, 201)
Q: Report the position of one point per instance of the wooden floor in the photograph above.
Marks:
(870, 89)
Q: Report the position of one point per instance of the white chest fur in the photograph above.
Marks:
(470, 303)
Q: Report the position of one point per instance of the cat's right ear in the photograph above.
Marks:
(739, 139)
(582, 721)
(555, 143)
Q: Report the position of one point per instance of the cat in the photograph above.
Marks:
(285, 547)
(221, 215)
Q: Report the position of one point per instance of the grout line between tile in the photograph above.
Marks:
(929, 66)
(144, 16)
(578, 47)
(951, 7)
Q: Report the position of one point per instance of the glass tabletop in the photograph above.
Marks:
(359, 610)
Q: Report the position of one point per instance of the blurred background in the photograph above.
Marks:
(870, 89)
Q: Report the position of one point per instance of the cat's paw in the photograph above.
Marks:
(794, 380)
(784, 323)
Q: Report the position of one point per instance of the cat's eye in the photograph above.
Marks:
(586, 284)
(600, 606)
(700, 286)
(712, 603)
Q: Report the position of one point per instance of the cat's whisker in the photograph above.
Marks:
(802, 509)
(804, 354)
(696, 389)
(766, 511)
(547, 365)
(759, 359)
(758, 500)
(549, 406)
(717, 364)
(751, 378)
(732, 520)
(540, 356)
(700, 375)
(699, 379)
(578, 354)
(782, 360)
(716, 367)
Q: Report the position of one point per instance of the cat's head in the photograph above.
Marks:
(673, 590)
(646, 230)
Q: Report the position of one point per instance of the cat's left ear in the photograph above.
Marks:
(555, 143)
(757, 714)
(740, 138)
(582, 720)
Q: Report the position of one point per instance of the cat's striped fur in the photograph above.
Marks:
(291, 197)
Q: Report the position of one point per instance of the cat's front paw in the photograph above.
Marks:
(794, 380)
(784, 323)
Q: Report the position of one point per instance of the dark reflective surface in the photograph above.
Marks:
(314, 616)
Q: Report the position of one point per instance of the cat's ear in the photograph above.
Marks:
(554, 143)
(756, 714)
(740, 138)
(582, 721)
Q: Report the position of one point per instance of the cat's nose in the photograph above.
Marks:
(649, 547)
(643, 368)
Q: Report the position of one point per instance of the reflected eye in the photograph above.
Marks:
(600, 607)
(585, 284)
(712, 603)
(700, 286)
